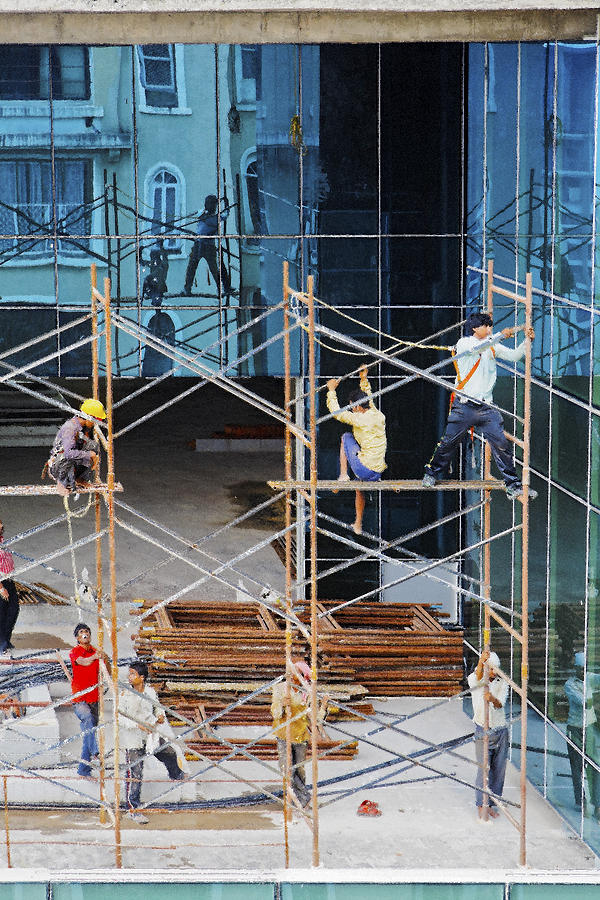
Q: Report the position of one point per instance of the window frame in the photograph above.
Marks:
(178, 56)
(174, 246)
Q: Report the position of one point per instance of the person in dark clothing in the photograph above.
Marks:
(9, 598)
(204, 248)
(75, 454)
(475, 379)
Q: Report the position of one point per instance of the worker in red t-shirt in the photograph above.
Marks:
(85, 661)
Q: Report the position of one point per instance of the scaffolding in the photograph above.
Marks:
(300, 311)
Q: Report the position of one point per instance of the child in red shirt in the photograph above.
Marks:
(85, 661)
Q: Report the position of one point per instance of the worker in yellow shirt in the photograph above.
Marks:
(365, 448)
(299, 731)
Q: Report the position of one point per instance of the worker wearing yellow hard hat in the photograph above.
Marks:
(75, 455)
(93, 409)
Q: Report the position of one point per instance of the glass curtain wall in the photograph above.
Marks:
(532, 207)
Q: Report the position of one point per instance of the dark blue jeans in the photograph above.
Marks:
(87, 713)
(497, 757)
(463, 417)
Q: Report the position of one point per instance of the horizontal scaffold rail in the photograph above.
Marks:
(35, 490)
(412, 484)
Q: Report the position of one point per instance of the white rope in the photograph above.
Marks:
(75, 515)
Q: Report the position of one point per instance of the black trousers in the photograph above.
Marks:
(9, 613)
(204, 249)
(463, 417)
(135, 771)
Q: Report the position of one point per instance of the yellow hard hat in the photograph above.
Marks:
(93, 408)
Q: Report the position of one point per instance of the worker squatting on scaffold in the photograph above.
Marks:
(495, 693)
(139, 713)
(476, 376)
(9, 598)
(85, 661)
(75, 454)
(364, 449)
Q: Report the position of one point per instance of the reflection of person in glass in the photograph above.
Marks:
(204, 247)
(574, 689)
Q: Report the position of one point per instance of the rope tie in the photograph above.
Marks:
(71, 514)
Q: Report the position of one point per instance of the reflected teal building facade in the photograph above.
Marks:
(391, 173)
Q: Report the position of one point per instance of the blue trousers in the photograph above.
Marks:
(497, 757)
(87, 713)
(463, 417)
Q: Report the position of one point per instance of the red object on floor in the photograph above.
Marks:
(368, 808)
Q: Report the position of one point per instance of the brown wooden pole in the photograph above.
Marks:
(313, 566)
(288, 561)
(110, 484)
(6, 824)
(525, 570)
(98, 508)
(487, 574)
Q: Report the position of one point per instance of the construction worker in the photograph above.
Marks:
(9, 598)
(495, 693)
(365, 448)
(475, 379)
(204, 248)
(75, 454)
(299, 729)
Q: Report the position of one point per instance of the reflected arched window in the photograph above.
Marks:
(164, 193)
(254, 221)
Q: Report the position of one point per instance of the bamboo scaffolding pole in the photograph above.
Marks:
(525, 572)
(110, 479)
(6, 821)
(288, 565)
(98, 524)
(487, 528)
(313, 568)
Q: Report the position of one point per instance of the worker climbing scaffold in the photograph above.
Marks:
(475, 364)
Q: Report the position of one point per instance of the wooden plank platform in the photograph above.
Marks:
(414, 484)
(35, 490)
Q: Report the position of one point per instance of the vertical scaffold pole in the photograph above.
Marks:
(110, 483)
(487, 574)
(288, 561)
(98, 508)
(525, 569)
(313, 566)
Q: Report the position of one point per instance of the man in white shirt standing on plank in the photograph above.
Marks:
(496, 694)
(475, 378)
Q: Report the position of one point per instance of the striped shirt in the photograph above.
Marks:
(6, 561)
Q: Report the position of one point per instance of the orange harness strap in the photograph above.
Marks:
(460, 383)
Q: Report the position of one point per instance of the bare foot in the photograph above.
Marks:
(493, 812)
(62, 490)
(356, 528)
(341, 478)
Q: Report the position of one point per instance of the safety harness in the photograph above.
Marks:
(461, 382)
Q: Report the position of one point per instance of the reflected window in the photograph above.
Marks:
(253, 218)
(26, 208)
(38, 73)
(164, 196)
(247, 69)
(159, 75)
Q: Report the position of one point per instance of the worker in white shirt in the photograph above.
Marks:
(495, 693)
(475, 378)
(139, 713)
